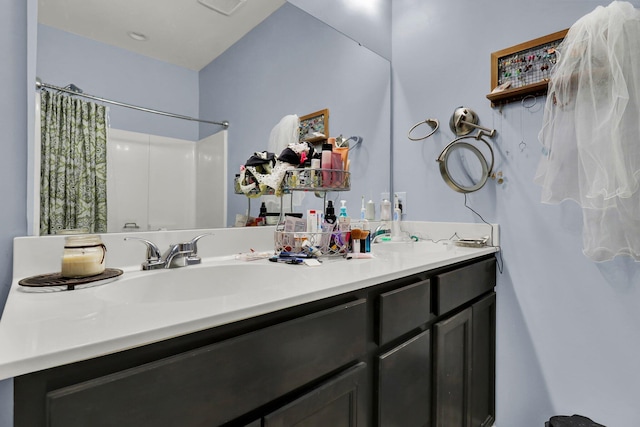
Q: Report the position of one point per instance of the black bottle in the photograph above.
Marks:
(330, 213)
(263, 211)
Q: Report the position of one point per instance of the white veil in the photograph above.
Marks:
(591, 129)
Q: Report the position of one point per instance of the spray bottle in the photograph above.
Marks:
(330, 214)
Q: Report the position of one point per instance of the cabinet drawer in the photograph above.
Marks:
(459, 286)
(217, 383)
(404, 309)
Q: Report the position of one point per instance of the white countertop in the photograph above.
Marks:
(43, 330)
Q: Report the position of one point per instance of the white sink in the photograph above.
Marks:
(228, 282)
(191, 283)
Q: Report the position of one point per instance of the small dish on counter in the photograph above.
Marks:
(53, 282)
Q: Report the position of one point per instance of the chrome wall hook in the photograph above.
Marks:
(464, 120)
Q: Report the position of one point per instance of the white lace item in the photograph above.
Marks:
(591, 130)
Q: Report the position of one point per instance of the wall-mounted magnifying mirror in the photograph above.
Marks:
(463, 166)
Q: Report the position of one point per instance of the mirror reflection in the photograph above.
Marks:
(181, 173)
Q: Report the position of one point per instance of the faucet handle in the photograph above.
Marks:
(154, 258)
(194, 241)
(192, 248)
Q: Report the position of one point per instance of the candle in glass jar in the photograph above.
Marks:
(83, 256)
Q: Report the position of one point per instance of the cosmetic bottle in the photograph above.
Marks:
(370, 214)
(385, 210)
(366, 237)
(343, 209)
(330, 213)
(396, 233)
(312, 221)
(344, 221)
(325, 162)
(263, 210)
(344, 156)
(315, 164)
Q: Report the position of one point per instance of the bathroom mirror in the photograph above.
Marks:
(291, 63)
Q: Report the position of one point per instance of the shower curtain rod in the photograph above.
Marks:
(41, 85)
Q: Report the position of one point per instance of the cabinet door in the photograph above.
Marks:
(340, 402)
(452, 368)
(484, 362)
(404, 384)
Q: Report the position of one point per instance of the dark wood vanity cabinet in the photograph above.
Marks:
(440, 367)
(464, 367)
(464, 349)
(417, 351)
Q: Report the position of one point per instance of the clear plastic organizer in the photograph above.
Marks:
(335, 243)
(317, 180)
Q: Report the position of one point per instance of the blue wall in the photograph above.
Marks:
(567, 327)
(368, 21)
(114, 73)
(293, 63)
(13, 162)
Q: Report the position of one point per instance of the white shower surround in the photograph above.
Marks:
(161, 183)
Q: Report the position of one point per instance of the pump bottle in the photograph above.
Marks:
(344, 221)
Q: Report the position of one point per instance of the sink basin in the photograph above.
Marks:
(192, 283)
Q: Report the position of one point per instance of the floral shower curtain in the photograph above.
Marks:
(73, 171)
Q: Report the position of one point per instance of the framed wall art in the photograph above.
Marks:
(314, 127)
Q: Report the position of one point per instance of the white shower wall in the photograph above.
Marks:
(211, 181)
(153, 181)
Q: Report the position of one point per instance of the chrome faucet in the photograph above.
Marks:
(381, 230)
(178, 255)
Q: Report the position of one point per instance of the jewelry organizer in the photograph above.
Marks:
(523, 69)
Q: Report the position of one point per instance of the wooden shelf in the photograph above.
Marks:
(516, 94)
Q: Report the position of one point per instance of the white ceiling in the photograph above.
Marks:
(181, 32)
